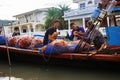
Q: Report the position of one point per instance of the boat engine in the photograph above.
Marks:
(95, 23)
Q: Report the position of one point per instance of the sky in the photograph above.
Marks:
(9, 8)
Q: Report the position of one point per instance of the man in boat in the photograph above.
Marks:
(16, 32)
(77, 32)
(104, 5)
(95, 36)
(51, 33)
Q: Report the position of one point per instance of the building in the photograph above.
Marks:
(28, 23)
(81, 15)
(85, 9)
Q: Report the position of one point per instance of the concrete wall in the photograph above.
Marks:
(40, 17)
(33, 17)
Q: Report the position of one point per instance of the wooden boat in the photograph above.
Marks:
(111, 54)
(99, 56)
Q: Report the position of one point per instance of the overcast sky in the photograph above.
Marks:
(9, 8)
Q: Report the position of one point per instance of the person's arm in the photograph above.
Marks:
(13, 34)
(50, 37)
(53, 36)
(18, 33)
(80, 32)
(71, 36)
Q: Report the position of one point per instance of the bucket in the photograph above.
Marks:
(96, 13)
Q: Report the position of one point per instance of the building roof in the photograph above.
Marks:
(5, 22)
(77, 1)
(36, 10)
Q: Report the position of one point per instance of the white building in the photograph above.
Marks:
(81, 15)
(29, 23)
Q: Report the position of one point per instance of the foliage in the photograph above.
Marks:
(56, 13)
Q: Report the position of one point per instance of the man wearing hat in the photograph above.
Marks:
(51, 33)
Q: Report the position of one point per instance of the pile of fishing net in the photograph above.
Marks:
(13, 41)
(36, 43)
(25, 42)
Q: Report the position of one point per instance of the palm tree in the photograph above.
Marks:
(51, 16)
(62, 9)
(56, 13)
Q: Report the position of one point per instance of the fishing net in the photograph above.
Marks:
(36, 43)
(24, 42)
(13, 41)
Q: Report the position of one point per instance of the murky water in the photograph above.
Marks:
(30, 71)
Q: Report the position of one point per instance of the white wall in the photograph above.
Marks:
(33, 17)
(40, 17)
(87, 3)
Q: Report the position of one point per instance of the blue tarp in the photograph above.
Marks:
(59, 49)
(113, 34)
(116, 9)
(62, 49)
(56, 49)
(2, 40)
(40, 36)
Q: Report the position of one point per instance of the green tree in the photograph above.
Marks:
(56, 13)
(62, 9)
(51, 16)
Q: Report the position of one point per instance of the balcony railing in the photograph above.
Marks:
(76, 1)
(76, 12)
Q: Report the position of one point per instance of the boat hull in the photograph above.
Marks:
(70, 56)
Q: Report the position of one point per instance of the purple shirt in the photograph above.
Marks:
(79, 29)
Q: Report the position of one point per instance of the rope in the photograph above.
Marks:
(8, 54)
(46, 59)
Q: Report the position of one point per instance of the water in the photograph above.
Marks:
(32, 71)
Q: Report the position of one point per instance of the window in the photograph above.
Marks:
(96, 2)
(82, 6)
(90, 2)
(24, 30)
(31, 29)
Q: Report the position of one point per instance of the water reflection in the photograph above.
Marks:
(27, 71)
(10, 78)
(5, 76)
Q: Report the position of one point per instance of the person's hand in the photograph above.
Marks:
(54, 35)
(44, 48)
(75, 33)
